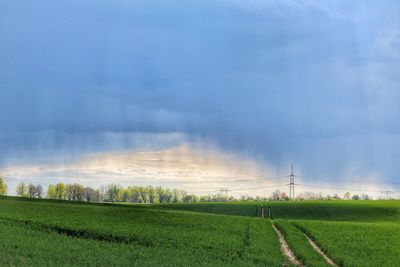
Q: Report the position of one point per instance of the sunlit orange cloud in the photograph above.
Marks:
(201, 169)
(198, 168)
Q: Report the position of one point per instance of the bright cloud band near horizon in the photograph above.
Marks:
(201, 95)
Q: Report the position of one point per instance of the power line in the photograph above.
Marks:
(224, 191)
(342, 188)
(235, 181)
(343, 179)
(259, 187)
(292, 185)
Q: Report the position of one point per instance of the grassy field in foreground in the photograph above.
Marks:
(356, 244)
(62, 233)
(351, 233)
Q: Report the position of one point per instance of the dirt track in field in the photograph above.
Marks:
(319, 251)
(285, 248)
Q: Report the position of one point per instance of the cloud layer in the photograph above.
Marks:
(195, 167)
(310, 82)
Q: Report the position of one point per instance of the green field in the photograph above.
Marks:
(351, 233)
(37, 232)
(61, 233)
(361, 211)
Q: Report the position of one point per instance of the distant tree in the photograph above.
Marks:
(176, 196)
(276, 195)
(260, 198)
(155, 199)
(310, 196)
(97, 196)
(89, 194)
(112, 192)
(164, 195)
(283, 196)
(51, 191)
(190, 198)
(32, 190)
(22, 190)
(135, 196)
(69, 192)
(3, 187)
(140, 199)
(56, 191)
(125, 195)
(75, 192)
(355, 197)
(347, 196)
(39, 191)
(151, 193)
(116, 193)
(60, 191)
(144, 193)
(365, 197)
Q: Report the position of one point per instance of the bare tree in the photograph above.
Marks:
(89, 194)
(365, 197)
(39, 191)
(32, 190)
(347, 196)
(275, 195)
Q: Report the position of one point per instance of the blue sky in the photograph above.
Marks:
(315, 83)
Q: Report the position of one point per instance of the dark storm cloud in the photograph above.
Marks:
(310, 82)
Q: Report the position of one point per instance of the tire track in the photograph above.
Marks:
(315, 246)
(319, 251)
(285, 248)
(79, 233)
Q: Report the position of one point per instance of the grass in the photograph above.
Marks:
(356, 244)
(299, 244)
(62, 233)
(357, 211)
(352, 233)
(249, 209)
(33, 231)
(23, 246)
(361, 211)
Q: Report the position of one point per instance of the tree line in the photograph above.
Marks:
(115, 193)
(151, 195)
(277, 195)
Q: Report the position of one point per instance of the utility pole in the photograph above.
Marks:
(224, 191)
(291, 184)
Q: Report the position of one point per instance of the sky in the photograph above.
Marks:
(200, 95)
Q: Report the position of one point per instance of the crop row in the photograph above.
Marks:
(358, 211)
(354, 243)
(222, 240)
